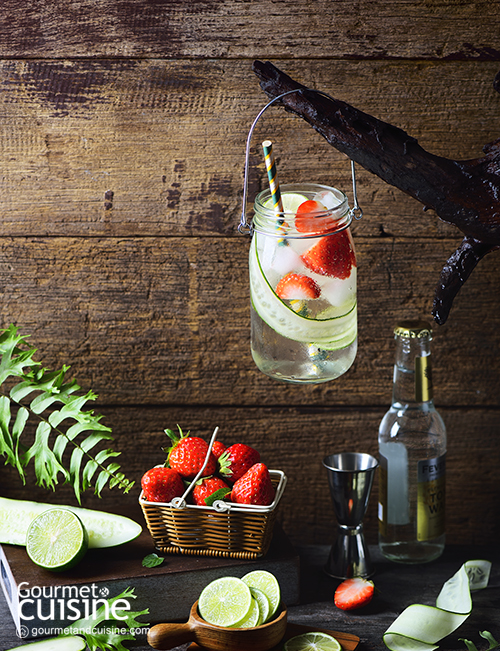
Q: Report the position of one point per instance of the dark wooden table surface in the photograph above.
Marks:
(398, 586)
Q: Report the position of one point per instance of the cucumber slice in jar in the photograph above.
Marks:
(331, 333)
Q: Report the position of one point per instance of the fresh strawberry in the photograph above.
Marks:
(187, 455)
(297, 286)
(254, 487)
(333, 255)
(353, 593)
(162, 484)
(218, 448)
(208, 489)
(312, 217)
(236, 460)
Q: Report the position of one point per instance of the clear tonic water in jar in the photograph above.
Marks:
(303, 285)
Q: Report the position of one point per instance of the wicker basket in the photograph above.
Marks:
(225, 529)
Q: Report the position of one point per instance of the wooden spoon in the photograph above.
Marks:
(218, 638)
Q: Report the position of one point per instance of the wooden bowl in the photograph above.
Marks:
(218, 638)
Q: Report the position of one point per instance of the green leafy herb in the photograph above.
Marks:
(109, 638)
(219, 494)
(152, 560)
(493, 644)
(67, 428)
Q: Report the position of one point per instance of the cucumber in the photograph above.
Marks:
(331, 333)
(63, 643)
(104, 529)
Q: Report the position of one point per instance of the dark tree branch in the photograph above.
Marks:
(463, 193)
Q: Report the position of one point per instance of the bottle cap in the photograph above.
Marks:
(413, 329)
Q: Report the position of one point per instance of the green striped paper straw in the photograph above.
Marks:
(267, 146)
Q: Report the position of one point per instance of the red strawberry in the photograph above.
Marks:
(162, 485)
(254, 487)
(187, 455)
(236, 460)
(218, 448)
(333, 255)
(353, 593)
(312, 217)
(297, 286)
(205, 489)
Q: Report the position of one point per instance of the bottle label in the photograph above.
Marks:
(431, 497)
(423, 379)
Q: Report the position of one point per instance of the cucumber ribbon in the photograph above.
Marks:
(419, 627)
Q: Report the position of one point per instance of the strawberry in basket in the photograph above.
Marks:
(187, 455)
(236, 460)
(209, 489)
(255, 487)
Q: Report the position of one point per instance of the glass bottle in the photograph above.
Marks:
(412, 455)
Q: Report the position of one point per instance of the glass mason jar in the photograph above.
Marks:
(303, 285)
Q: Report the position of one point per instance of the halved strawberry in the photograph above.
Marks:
(308, 217)
(353, 593)
(297, 286)
(333, 255)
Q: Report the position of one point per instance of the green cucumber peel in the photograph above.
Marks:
(419, 627)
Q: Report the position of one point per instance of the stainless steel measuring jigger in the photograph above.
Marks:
(350, 477)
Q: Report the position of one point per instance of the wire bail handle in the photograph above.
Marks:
(245, 227)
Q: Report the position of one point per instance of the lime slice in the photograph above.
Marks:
(56, 540)
(291, 201)
(312, 642)
(225, 602)
(253, 617)
(263, 603)
(335, 333)
(268, 584)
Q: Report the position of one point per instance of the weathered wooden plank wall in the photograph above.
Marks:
(122, 132)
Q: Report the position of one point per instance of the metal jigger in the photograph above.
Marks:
(350, 476)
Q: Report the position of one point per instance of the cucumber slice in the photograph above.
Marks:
(104, 529)
(333, 333)
(63, 643)
(419, 627)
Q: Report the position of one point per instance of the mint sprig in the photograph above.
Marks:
(152, 560)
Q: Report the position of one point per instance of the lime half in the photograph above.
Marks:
(312, 642)
(56, 540)
(266, 583)
(225, 602)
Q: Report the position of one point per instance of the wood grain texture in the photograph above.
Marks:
(166, 320)
(157, 147)
(122, 153)
(237, 28)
